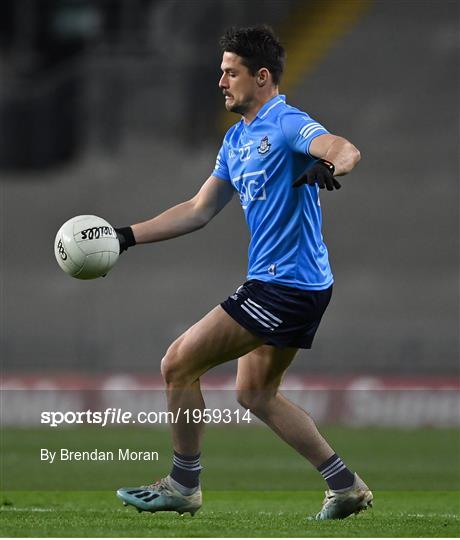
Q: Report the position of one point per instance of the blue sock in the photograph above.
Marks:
(186, 470)
(336, 473)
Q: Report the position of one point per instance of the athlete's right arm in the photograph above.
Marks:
(180, 219)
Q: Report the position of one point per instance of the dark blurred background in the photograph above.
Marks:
(111, 107)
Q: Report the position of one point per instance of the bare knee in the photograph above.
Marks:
(256, 400)
(174, 366)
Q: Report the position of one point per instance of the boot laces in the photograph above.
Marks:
(159, 485)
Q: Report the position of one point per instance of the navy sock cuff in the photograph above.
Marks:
(328, 462)
(187, 458)
(336, 473)
(186, 469)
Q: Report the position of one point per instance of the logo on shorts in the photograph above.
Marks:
(272, 270)
(264, 146)
(235, 295)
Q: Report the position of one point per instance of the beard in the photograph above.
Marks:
(238, 108)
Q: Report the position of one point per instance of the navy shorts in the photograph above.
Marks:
(282, 316)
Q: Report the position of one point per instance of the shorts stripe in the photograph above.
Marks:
(264, 317)
(255, 317)
(279, 321)
(290, 316)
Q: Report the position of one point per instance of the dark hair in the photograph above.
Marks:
(258, 47)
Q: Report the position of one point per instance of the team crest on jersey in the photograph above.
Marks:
(264, 146)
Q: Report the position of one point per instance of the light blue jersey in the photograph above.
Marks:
(262, 160)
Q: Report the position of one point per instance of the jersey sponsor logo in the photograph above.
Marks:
(251, 187)
(264, 145)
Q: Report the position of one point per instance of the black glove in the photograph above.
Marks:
(321, 173)
(125, 237)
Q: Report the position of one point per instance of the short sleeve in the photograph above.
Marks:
(299, 130)
(221, 168)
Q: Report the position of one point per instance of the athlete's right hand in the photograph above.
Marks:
(321, 173)
(125, 237)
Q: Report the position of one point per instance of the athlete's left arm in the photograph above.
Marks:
(336, 150)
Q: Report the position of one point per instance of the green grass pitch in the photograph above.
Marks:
(254, 485)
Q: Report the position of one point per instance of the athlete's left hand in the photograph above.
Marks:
(321, 173)
(125, 237)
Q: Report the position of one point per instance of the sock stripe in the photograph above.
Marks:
(186, 458)
(332, 469)
(186, 470)
(343, 466)
(185, 463)
(194, 468)
(197, 468)
(330, 466)
(336, 473)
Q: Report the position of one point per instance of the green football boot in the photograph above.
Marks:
(160, 496)
(341, 504)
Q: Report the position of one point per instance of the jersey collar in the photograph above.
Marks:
(270, 105)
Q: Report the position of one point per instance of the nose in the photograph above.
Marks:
(223, 83)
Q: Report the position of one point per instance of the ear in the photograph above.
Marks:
(262, 77)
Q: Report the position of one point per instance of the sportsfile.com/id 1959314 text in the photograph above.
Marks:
(117, 416)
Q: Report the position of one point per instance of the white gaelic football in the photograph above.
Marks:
(86, 247)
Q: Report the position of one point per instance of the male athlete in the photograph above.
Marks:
(277, 159)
